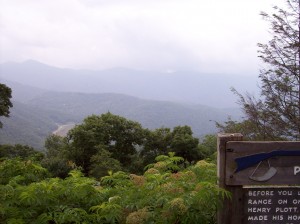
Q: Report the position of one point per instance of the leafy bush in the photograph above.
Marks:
(165, 193)
(164, 196)
(21, 171)
(22, 151)
(51, 201)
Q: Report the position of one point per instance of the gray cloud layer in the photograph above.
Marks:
(211, 36)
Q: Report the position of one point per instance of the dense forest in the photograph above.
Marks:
(37, 113)
(111, 170)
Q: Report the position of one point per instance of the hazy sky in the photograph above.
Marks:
(166, 35)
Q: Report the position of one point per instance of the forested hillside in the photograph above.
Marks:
(46, 97)
(30, 125)
(112, 170)
(150, 113)
(43, 111)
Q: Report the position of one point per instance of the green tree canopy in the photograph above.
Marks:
(5, 103)
(56, 160)
(113, 133)
(180, 140)
(102, 164)
(158, 142)
(21, 151)
(184, 144)
(208, 147)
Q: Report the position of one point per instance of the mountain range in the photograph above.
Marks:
(46, 98)
(180, 86)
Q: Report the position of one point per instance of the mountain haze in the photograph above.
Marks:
(29, 125)
(46, 98)
(151, 114)
(33, 120)
(180, 86)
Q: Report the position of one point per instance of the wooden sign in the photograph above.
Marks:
(267, 163)
(263, 178)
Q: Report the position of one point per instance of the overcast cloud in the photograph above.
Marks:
(166, 35)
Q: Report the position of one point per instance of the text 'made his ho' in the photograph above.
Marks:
(263, 178)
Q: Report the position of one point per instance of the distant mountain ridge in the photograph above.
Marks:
(46, 98)
(30, 125)
(23, 93)
(37, 116)
(181, 86)
(151, 114)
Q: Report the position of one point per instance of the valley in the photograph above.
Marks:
(43, 101)
(63, 130)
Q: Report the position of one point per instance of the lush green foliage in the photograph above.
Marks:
(22, 151)
(56, 160)
(109, 132)
(158, 142)
(163, 194)
(163, 140)
(36, 113)
(208, 148)
(112, 142)
(38, 189)
(184, 144)
(102, 162)
(17, 171)
(5, 103)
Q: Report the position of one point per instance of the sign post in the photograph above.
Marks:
(263, 179)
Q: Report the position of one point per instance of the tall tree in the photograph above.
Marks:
(162, 141)
(277, 113)
(158, 142)
(109, 132)
(184, 144)
(5, 103)
(56, 160)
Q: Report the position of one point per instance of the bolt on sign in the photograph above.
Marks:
(263, 178)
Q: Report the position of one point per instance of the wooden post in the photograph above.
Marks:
(231, 212)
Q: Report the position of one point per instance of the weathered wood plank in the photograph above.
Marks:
(232, 210)
(284, 166)
(280, 173)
